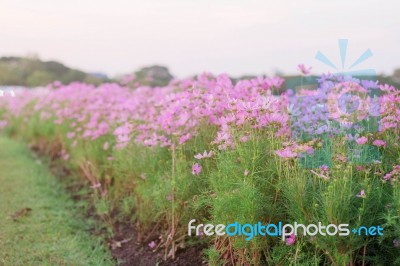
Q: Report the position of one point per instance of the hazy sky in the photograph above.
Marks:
(191, 36)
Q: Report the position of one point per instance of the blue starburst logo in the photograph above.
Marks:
(343, 44)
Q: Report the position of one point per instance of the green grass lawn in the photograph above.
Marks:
(52, 233)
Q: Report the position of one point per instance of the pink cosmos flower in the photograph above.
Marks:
(196, 169)
(286, 153)
(123, 138)
(387, 177)
(379, 143)
(362, 140)
(361, 194)
(184, 138)
(391, 176)
(152, 244)
(204, 155)
(304, 70)
(324, 168)
(290, 240)
(123, 130)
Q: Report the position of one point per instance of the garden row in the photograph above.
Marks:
(206, 149)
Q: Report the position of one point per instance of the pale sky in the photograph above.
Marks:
(191, 36)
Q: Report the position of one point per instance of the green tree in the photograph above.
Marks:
(39, 78)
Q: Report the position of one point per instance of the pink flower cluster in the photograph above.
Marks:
(393, 175)
(293, 150)
(175, 114)
(362, 140)
(157, 116)
(389, 107)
